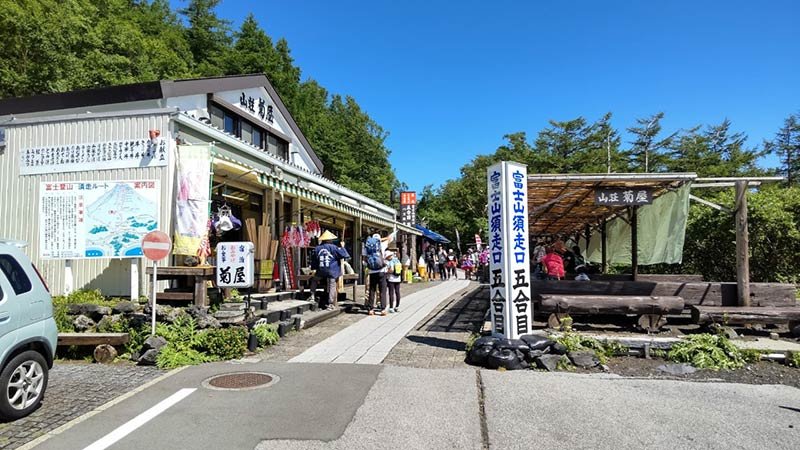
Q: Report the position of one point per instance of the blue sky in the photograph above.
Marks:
(448, 79)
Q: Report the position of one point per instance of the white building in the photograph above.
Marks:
(262, 166)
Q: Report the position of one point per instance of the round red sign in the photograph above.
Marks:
(156, 245)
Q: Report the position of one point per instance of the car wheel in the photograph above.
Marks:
(23, 382)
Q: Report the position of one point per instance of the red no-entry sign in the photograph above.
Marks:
(156, 245)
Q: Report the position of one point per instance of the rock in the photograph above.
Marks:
(125, 307)
(677, 369)
(513, 344)
(82, 323)
(162, 311)
(197, 311)
(207, 322)
(536, 342)
(136, 320)
(153, 343)
(95, 312)
(104, 353)
(478, 355)
(558, 348)
(547, 362)
(794, 329)
(232, 307)
(107, 323)
(584, 359)
(485, 340)
(505, 358)
(174, 315)
(605, 368)
(230, 317)
(148, 358)
(731, 333)
(774, 336)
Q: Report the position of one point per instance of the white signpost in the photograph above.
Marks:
(156, 246)
(235, 264)
(509, 252)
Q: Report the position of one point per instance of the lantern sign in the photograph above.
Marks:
(408, 208)
(623, 197)
(235, 264)
(509, 264)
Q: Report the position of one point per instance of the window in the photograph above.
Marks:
(230, 124)
(257, 138)
(15, 275)
(277, 146)
(2, 139)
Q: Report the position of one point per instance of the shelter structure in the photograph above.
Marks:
(580, 206)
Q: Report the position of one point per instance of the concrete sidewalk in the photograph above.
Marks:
(370, 340)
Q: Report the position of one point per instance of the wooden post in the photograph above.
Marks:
(634, 242)
(588, 236)
(414, 253)
(742, 246)
(356, 256)
(603, 247)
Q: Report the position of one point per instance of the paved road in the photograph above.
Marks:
(350, 406)
(369, 341)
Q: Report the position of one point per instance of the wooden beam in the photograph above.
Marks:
(603, 247)
(572, 206)
(741, 315)
(742, 245)
(635, 242)
(612, 304)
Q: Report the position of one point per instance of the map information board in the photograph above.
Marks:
(97, 219)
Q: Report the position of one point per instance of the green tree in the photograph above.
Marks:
(715, 152)
(578, 146)
(786, 146)
(647, 150)
(208, 36)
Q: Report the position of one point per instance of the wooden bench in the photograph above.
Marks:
(739, 315)
(651, 310)
(104, 351)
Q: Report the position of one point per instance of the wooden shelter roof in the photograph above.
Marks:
(565, 203)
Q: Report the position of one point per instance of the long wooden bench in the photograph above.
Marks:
(104, 343)
(737, 315)
(650, 309)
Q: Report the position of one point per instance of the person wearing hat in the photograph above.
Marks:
(327, 262)
(452, 263)
(394, 270)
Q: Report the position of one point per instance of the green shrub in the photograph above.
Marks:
(707, 351)
(603, 350)
(794, 359)
(471, 341)
(267, 334)
(750, 355)
(224, 343)
(60, 302)
(182, 333)
(171, 357)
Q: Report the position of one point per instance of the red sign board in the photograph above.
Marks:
(156, 245)
(408, 198)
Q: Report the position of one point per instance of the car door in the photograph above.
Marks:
(9, 313)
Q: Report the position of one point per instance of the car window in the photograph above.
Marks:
(20, 282)
(1, 293)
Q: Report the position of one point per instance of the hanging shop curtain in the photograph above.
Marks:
(662, 229)
(193, 174)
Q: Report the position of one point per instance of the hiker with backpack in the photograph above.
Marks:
(326, 260)
(376, 264)
(395, 271)
(442, 264)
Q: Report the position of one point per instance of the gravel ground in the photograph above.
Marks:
(759, 373)
(439, 341)
(73, 390)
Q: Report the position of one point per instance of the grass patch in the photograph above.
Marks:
(707, 351)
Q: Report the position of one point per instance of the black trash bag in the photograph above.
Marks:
(558, 348)
(513, 344)
(485, 340)
(505, 358)
(477, 356)
(536, 342)
(523, 359)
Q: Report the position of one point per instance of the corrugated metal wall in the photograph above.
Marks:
(19, 195)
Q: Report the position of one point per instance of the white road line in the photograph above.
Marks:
(128, 427)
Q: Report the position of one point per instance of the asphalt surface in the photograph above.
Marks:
(345, 406)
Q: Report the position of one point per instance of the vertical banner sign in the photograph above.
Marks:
(509, 264)
(235, 265)
(408, 208)
(191, 207)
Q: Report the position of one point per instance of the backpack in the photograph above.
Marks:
(398, 268)
(374, 256)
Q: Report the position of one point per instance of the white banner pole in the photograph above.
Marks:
(134, 279)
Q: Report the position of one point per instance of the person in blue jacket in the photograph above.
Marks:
(327, 262)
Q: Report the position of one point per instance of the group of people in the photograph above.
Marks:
(552, 261)
(385, 271)
(443, 263)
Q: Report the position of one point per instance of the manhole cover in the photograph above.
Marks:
(240, 381)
